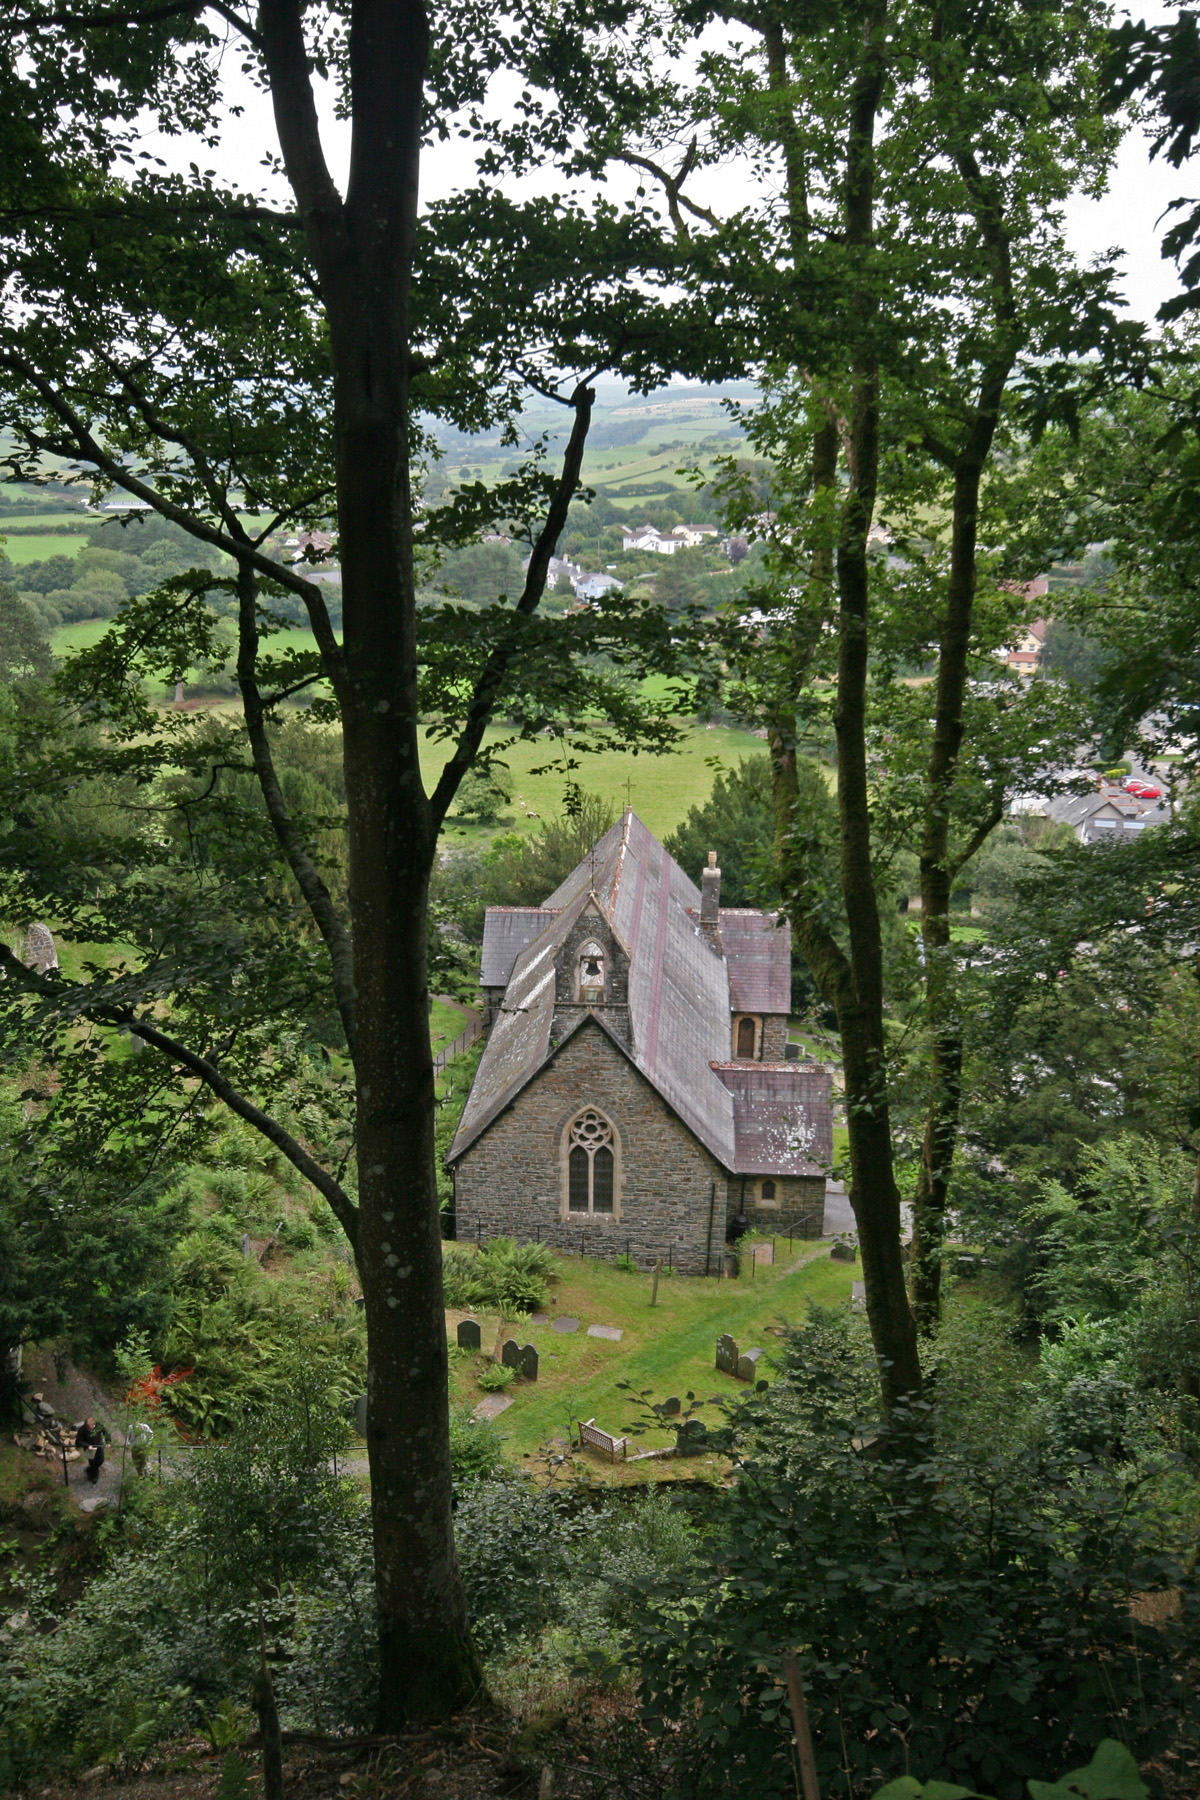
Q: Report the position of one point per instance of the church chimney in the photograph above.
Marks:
(710, 901)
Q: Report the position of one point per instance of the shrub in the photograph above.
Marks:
(474, 1449)
(957, 1609)
(496, 1376)
(503, 1277)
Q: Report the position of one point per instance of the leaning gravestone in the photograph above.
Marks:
(844, 1252)
(469, 1336)
(747, 1364)
(727, 1355)
(40, 953)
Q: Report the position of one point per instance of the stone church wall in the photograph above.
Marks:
(799, 1204)
(774, 1037)
(512, 1179)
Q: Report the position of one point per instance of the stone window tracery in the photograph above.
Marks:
(590, 1165)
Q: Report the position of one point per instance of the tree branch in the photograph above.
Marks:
(488, 686)
(87, 447)
(308, 879)
(109, 18)
(282, 40)
(979, 836)
(672, 186)
(206, 1071)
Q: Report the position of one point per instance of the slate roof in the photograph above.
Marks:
(1105, 814)
(506, 931)
(759, 953)
(782, 1121)
(679, 988)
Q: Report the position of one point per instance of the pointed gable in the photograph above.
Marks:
(679, 998)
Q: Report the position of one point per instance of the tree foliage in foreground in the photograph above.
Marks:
(248, 363)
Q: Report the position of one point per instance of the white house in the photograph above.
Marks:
(666, 543)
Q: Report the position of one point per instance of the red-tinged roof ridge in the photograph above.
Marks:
(745, 1063)
(527, 909)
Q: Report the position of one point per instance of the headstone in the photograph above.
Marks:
(747, 1364)
(40, 953)
(763, 1253)
(727, 1355)
(510, 1356)
(529, 1362)
(670, 1406)
(360, 1415)
(612, 1332)
(245, 1246)
(492, 1406)
(844, 1252)
(565, 1325)
(791, 1053)
(469, 1335)
(858, 1296)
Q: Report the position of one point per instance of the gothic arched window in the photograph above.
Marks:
(591, 1184)
(745, 1038)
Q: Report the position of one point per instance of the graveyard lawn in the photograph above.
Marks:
(669, 1349)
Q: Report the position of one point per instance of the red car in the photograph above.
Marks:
(1142, 790)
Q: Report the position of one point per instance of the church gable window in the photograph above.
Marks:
(591, 1165)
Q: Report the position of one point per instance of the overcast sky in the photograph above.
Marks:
(1128, 217)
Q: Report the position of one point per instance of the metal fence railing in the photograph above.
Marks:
(462, 1042)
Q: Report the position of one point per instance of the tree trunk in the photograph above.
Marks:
(852, 984)
(363, 251)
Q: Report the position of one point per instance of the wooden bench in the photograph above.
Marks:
(590, 1433)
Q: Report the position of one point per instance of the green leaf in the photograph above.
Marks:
(909, 1788)
(1112, 1774)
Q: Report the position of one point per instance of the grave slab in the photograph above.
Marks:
(843, 1252)
(612, 1332)
(492, 1406)
(565, 1325)
(539, 1318)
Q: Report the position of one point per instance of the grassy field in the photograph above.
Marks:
(80, 636)
(659, 788)
(37, 547)
(670, 1349)
(43, 521)
(445, 1024)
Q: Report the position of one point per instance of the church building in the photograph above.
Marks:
(634, 1090)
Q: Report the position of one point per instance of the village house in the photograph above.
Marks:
(635, 1088)
(666, 543)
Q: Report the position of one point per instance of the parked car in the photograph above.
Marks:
(1142, 790)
